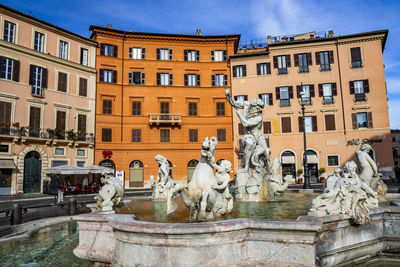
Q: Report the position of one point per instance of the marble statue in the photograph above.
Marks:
(110, 195)
(164, 182)
(206, 195)
(253, 178)
(368, 171)
(346, 193)
(279, 186)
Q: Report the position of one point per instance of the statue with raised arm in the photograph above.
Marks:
(164, 182)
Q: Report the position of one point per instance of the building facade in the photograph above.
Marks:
(47, 100)
(344, 95)
(160, 94)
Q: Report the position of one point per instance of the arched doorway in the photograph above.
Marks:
(108, 163)
(288, 162)
(312, 161)
(32, 172)
(136, 174)
(190, 168)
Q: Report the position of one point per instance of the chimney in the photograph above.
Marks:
(109, 26)
(198, 32)
(269, 39)
(330, 34)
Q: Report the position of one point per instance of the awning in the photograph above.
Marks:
(312, 159)
(66, 169)
(98, 169)
(288, 160)
(7, 164)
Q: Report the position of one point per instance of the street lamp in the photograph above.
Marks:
(306, 171)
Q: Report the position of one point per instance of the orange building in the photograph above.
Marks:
(160, 94)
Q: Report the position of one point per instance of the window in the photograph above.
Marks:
(4, 148)
(302, 61)
(80, 164)
(267, 127)
(84, 57)
(330, 122)
(193, 135)
(9, 32)
(7, 68)
(61, 119)
(59, 151)
(62, 82)
(192, 108)
(108, 76)
(137, 53)
(324, 59)
(136, 108)
(266, 98)
(107, 106)
(164, 135)
(263, 68)
(221, 135)
(38, 44)
(191, 55)
(239, 71)
(164, 54)
(308, 93)
(38, 79)
(282, 63)
(56, 163)
(63, 52)
(309, 123)
(5, 116)
(106, 134)
(81, 152)
(240, 129)
(82, 87)
(220, 108)
(284, 94)
(164, 79)
(219, 79)
(327, 91)
(164, 109)
(138, 78)
(108, 50)
(286, 125)
(333, 161)
(136, 135)
(192, 79)
(218, 55)
(359, 89)
(356, 61)
(81, 127)
(240, 98)
(34, 121)
(362, 120)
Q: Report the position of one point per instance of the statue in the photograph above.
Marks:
(206, 195)
(253, 178)
(164, 182)
(279, 186)
(110, 195)
(346, 193)
(368, 171)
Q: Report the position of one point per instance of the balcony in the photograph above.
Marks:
(305, 101)
(356, 64)
(156, 119)
(360, 97)
(285, 103)
(328, 100)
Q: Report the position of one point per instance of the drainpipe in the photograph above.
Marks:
(228, 65)
(122, 89)
(340, 84)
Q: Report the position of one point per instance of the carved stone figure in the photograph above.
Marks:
(205, 195)
(368, 171)
(279, 186)
(110, 195)
(253, 179)
(346, 194)
(164, 182)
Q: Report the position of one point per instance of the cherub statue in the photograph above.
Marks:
(164, 181)
(223, 177)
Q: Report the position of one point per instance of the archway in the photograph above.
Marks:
(32, 172)
(313, 162)
(136, 174)
(190, 168)
(288, 163)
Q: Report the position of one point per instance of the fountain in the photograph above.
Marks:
(344, 225)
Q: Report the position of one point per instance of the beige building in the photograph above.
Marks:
(47, 100)
(345, 97)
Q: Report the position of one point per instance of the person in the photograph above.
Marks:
(85, 182)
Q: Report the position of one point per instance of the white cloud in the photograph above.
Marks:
(393, 85)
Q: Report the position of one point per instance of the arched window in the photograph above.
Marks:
(191, 166)
(136, 174)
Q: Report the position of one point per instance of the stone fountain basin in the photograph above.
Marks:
(121, 240)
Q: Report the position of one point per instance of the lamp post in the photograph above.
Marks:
(306, 184)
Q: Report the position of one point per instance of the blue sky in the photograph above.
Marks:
(252, 19)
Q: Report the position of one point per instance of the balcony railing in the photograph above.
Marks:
(165, 118)
(328, 100)
(305, 101)
(356, 64)
(285, 103)
(360, 97)
(325, 67)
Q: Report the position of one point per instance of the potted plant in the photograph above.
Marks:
(57, 133)
(300, 180)
(71, 135)
(299, 172)
(322, 179)
(16, 124)
(7, 124)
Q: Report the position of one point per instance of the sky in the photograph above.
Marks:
(252, 19)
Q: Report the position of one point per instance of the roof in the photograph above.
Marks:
(95, 27)
(251, 54)
(19, 13)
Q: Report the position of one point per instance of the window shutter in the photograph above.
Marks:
(171, 79)
(351, 84)
(158, 78)
(366, 86)
(82, 87)
(270, 99)
(331, 61)
(298, 89)
(286, 125)
(197, 55)
(143, 53)
(278, 93)
(31, 74)
(101, 49)
(369, 119)
(267, 127)
(314, 124)
(101, 75)
(290, 92)
(244, 70)
(143, 77)
(296, 60)
(1, 63)
(16, 67)
(185, 55)
(60, 121)
(301, 124)
(198, 80)
(114, 76)
(158, 53)
(115, 51)
(185, 78)
(309, 59)
(170, 54)
(45, 75)
(258, 69)
(234, 71)
(130, 78)
(268, 68)
(275, 62)
(225, 79)
(355, 54)
(212, 55)
(81, 124)
(34, 118)
(320, 90)
(312, 90)
(288, 61)
(334, 89)
(224, 55)
(317, 58)
(212, 79)
(330, 122)
(354, 120)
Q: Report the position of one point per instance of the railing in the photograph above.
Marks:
(356, 64)
(253, 44)
(285, 103)
(165, 118)
(325, 67)
(360, 97)
(303, 69)
(327, 100)
(305, 101)
(282, 71)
